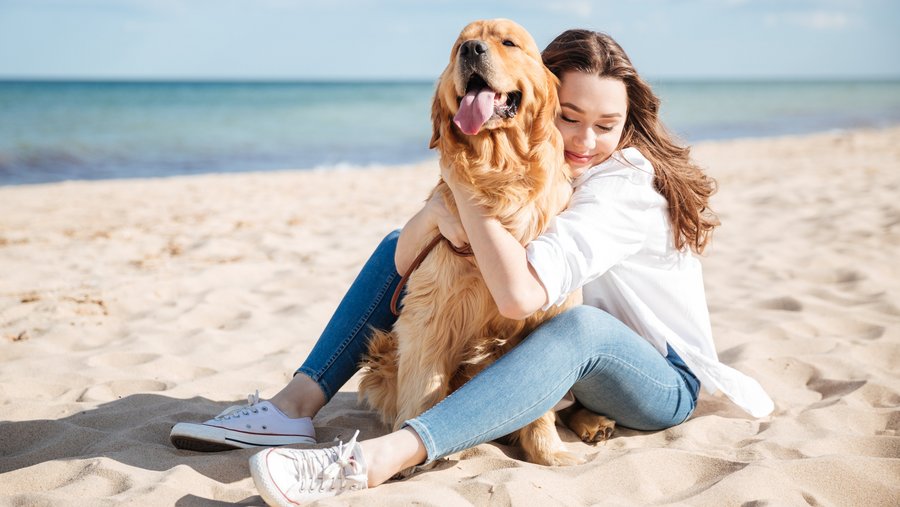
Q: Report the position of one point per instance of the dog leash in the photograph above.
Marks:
(462, 252)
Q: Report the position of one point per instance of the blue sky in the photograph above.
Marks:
(410, 39)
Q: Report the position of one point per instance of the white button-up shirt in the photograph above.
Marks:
(615, 242)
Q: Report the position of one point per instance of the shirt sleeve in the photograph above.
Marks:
(606, 221)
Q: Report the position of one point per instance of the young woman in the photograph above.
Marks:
(636, 351)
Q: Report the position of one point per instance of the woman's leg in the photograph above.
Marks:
(611, 370)
(341, 346)
(287, 417)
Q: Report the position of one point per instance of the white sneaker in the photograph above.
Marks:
(287, 477)
(257, 424)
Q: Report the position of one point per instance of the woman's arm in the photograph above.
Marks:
(511, 280)
(434, 217)
(412, 237)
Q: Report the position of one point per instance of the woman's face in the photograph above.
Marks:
(593, 116)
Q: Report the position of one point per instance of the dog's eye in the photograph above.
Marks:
(509, 43)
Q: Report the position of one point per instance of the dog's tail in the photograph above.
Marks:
(378, 386)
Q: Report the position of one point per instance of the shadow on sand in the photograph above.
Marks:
(114, 429)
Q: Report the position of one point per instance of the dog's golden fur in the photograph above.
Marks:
(449, 327)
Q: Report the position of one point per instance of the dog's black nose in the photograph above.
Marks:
(473, 48)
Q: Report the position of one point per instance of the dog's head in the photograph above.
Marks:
(495, 80)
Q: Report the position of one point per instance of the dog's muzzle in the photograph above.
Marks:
(481, 102)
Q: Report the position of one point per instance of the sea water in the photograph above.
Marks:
(62, 130)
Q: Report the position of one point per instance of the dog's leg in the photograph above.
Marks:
(423, 375)
(427, 373)
(542, 444)
(378, 385)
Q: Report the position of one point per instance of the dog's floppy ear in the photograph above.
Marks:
(437, 116)
(545, 140)
(543, 126)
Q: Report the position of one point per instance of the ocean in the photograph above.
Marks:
(66, 130)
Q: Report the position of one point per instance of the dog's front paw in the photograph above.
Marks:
(565, 458)
(558, 457)
(590, 427)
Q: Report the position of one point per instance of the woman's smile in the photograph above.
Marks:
(577, 159)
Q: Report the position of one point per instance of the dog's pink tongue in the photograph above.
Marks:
(474, 109)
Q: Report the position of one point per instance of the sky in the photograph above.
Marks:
(410, 39)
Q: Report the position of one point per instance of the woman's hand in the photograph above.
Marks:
(513, 283)
(433, 217)
(447, 222)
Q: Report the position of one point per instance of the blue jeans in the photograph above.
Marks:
(366, 305)
(611, 370)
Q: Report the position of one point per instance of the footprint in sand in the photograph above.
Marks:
(880, 396)
(832, 388)
(237, 322)
(92, 477)
(879, 354)
(872, 446)
(785, 303)
(848, 328)
(197, 372)
(884, 307)
(116, 389)
(290, 309)
(122, 359)
(777, 344)
(834, 275)
(38, 390)
(843, 298)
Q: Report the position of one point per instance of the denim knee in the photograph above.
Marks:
(580, 327)
(389, 243)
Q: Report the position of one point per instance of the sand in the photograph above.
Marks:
(128, 306)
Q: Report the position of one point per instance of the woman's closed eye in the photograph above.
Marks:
(573, 121)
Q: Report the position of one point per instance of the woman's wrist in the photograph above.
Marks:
(427, 216)
(449, 177)
(411, 237)
(461, 194)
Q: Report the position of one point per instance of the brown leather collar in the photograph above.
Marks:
(466, 251)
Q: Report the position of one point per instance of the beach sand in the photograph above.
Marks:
(128, 306)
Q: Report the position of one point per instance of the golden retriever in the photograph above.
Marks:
(493, 123)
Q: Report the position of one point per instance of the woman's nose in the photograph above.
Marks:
(585, 139)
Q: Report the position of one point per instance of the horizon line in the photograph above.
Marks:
(408, 80)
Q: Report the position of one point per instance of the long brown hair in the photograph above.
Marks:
(684, 185)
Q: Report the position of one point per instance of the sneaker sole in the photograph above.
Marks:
(203, 438)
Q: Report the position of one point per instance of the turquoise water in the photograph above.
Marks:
(723, 110)
(52, 131)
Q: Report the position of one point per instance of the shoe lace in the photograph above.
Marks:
(329, 469)
(236, 411)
